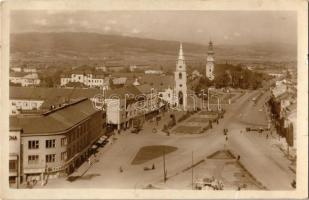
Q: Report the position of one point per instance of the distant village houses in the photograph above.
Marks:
(87, 78)
(24, 79)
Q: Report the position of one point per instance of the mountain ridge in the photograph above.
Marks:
(62, 46)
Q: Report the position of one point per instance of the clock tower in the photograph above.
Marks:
(181, 81)
(210, 64)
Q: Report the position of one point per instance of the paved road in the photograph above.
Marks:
(264, 161)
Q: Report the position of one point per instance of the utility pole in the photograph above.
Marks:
(192, 171)
(208, 99)
(164, 170)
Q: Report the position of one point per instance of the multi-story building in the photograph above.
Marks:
(24, 79)
(152, 103)
(122, 106)
(24, 69)
(86, 78)
(152, 71)
(54, 143)
(134, 68)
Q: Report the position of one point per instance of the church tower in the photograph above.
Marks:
(181, 81)
(210, 65)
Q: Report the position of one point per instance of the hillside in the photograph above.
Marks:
(72, 48)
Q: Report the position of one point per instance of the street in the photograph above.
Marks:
(257, 154)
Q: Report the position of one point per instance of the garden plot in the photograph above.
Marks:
(185, 129)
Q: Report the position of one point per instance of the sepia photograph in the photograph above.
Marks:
(200, 100)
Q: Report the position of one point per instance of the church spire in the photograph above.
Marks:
(210, 48)
(180, 56)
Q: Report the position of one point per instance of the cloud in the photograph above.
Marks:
(199, 31)
(41, 22)
(107, 28)
(84, 23)
(71, 21)
(135, 31)
(112, 21)
(236, 34)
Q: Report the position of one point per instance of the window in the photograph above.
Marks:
(69, 152)
(73, 135)
(180, 85)
(180, 75)
(50, 143)
(34, 104)
(64, 156)
(69, 138)
(33, 144)
(64, 141)
(33, 159)
(50, 158)
(13, 165)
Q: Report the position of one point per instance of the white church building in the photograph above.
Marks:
(210, 64)
(178, 96)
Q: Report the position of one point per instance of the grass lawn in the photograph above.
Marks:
(198, 119)
(208, 113)
(187, 129)
(147, 153)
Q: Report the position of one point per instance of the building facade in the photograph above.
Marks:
(15, 159)
(57, 142)
(88, 79)
(24, 79)
(122, 106)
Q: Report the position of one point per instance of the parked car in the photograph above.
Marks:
(260, 129)
(136, 130)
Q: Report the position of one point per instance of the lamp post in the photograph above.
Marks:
(208, 99)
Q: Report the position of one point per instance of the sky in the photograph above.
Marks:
(223, 27)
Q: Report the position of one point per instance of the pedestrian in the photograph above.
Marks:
(226, 138)
(153, 166)
(267, 136)
(238, 157)
(120, 169)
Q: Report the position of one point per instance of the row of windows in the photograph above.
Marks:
(77, 146)
(34, 144)
(33, 104)
(49, 158)
(75, 134)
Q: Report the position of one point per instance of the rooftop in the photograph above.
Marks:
(52, 96)
(145, 88)
(55, 121)
(123, 91)
(158, 82)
